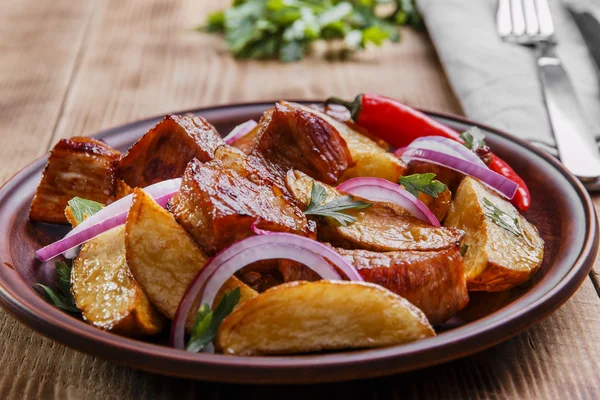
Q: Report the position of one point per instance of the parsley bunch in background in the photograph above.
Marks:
(286, 29)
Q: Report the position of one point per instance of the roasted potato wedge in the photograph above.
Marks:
(370, 159)
(123, 189)
(496, 259)
(77, 167)
(292, 137)
(162, 256)
(106, 292)
(434, 281)
(440, 205)
(381, 227)
(246, 292)
(304, 317)
(164, 151)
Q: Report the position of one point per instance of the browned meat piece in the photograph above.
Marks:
(380, 227)
(295, 138)
(165, 150)
(261, 275)
(434, 281)
(217, 206)
(77, 167)
(294, 271)
(445, 175)
(246, 142)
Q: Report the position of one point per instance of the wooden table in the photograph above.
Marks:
(75, 67)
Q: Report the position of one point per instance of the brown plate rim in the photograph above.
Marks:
(58, 326)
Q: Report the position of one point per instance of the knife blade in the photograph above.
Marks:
(589, 26)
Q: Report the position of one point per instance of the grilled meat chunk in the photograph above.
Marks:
(381, 227)
(438, 205)
(77, 167)
(434, 281)
(371, 158)
(165, 150)
(445, 175)
(292, 137)
(218, 205)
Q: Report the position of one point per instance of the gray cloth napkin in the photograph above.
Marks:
(497, 82)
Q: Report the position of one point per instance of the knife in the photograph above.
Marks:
(589, 26)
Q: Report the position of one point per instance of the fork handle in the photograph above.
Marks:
(577, 149)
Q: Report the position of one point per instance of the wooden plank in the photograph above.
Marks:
(39, 44)
(595, 273)
(140, 58)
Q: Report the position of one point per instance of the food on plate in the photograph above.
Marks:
(77, 167)
(381, 227)
(303, 317)
(370, 158)
(504, 249)
(164, 151)
(293, 137)
(434, 281)
(105, 291)
(299, 233)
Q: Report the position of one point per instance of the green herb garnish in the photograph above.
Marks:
(333, 208)
(501, 218)
(424, 183)
(83, 208)
(64, 298)
(207, 321)
(463, 249)
(286, 29)
(473, 138)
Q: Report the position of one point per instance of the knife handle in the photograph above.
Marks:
(577, 149)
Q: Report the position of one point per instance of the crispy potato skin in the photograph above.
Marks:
(434, 281)
(164, 258)
(164, 151)
(106, 292)
(292, 137)
(77, 167)
(371, 158)
(304, 317)
(379, 228)
(496, 259)
(217, 206)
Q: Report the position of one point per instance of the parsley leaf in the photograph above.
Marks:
(502, 219)
(473, 138)
(83, 208)
(333, 208)
(422, 183)
(207, 321)
(463, 249)
(64, 299)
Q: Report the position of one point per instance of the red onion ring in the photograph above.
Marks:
(447, 146)
(240, 131)
(377, 189)
(495, 181)
(113, 215)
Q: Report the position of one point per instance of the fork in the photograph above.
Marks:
(529, 23)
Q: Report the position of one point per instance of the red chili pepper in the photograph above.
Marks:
(399, 124)
(522, 199)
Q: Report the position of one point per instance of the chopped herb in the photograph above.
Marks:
(473, 138)
(64, 298)
(287, 29)
(463, 249)
(502, 219)
(424, 183)
(333, 208)
(83, 208)
(207, 321)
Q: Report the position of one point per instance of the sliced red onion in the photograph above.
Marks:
(448, 146)
(377, 189)
(240, 131)
(495, 181)
(113, 215)
(262, 247)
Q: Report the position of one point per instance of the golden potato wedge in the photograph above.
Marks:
(106, 292)
(163, 257)
(370, 158)
(303, 317)
(246, 292)
(122, 189)
(496, 259)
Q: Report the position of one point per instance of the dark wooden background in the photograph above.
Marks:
(73, 67)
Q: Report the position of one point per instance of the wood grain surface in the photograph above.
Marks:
(75, 67)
